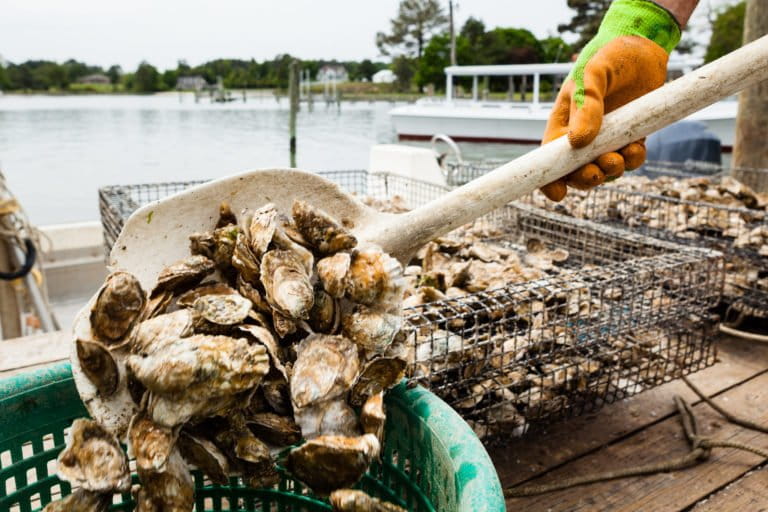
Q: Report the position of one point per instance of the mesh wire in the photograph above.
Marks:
(594, 331)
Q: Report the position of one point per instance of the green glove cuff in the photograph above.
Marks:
(639, 18)
(627, 18)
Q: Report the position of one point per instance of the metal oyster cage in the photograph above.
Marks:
(623, 313)
(741, 233)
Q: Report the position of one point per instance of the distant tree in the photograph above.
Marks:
(473, 30)
(554, 49)
(727, 31)
(5, 83)
(367, 69)
(511, 46)
(114, 73)
(168, 79)
(146, 78)
(403, 68)
(412, 28)
(437, 56)
(586, 21)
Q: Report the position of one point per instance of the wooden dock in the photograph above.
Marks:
(640, 430)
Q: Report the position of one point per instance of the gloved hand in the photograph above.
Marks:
(625, 60)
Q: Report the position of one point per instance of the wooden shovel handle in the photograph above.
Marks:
(401, 234)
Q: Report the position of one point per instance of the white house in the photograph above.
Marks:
(332, 73)
(191, 83)
(385, 76)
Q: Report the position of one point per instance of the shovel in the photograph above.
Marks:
(157, 234)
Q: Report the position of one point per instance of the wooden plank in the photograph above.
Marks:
(748, 494)
(520, 459)
(24, 353)
(10, 315)
(664, 492)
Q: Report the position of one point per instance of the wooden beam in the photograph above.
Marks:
(748, 493)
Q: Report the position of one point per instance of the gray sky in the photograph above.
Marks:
(106, 32)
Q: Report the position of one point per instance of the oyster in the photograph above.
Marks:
(152, 334)
(223, 309)
(288, 286)
(325, 315)
(226, 216)
(205, 456)
(118, 307)
(374, 277)
(202, 244)
(326, 418)
(157, 305)
(150, 443)
(244, 260)
(371, 329)
(224, 247)
(262, 335)
(172, 489)
(325, 368)
(373, 417)
(332, 272)
(274, 429)
(187, 299)
(93, 459)
(320, 230)
(350, 500)
(183, 273)
(81, 501)
(261, 229)
(333, 462)
(378, 374)
(99, 366)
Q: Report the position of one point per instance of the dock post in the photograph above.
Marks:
(293, 93)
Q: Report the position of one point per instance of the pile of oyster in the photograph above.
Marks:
(274, 330)
(739, 220)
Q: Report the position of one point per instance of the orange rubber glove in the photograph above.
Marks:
(626, 59)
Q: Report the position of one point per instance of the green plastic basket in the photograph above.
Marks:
(431, 460)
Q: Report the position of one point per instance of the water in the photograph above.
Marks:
(56, 151)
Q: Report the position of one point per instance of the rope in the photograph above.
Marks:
(743, 334)
(701, 450)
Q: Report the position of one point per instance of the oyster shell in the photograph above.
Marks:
(332, 272)
(371, 329)
(244, 260)
(223, 309)
(157, 305)
(224, 247)
(288, 286)
(202, 244)
(332, 417)
(261, 229)
(320, 230)
(150, 443)
(378, 374)
(351, 500)
(262, 335)
(325, 368)
(325, 315)
(153, 334)
(172, 489)
(333, 462)
(274, 428)
(119, 305)
(373, 417)
(226, 216)
(374, 277)
(205, 456)
(81, 501)
(183, 273)
(93, 459)
(99, 366)
(187, 299)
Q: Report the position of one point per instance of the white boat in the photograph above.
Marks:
(477, 120)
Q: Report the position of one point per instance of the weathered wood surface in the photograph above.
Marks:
(747, 494)
(664, 492)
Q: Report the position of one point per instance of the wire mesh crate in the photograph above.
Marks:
(591, 325)
(741, 233)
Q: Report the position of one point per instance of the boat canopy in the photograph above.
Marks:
(535, 70)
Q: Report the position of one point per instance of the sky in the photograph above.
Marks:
(162, 32)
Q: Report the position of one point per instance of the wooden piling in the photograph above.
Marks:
(293, 93)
